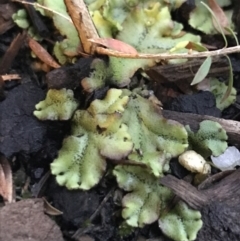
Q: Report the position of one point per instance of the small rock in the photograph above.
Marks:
(228, 160)
(194, 162)
(25, 220)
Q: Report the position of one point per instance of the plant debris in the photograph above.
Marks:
(103, 127)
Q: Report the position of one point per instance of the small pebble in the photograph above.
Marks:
(194, 162)
(228, 160)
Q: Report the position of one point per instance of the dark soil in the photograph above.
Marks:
(31, 145)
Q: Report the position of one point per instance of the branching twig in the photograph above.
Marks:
(218, 52)
(10, 77)
(37, 5)
(86, 30)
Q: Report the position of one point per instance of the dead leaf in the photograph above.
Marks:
(49, 209)
(115, 45)
(6, 185)
(219, 15)
(42, 53)
(9, 77)
(11, 53)
(196, 46)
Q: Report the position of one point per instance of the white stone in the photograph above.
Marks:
(228, 160)
(194, 162)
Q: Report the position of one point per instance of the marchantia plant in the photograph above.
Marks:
(124, 125)
(154, 32)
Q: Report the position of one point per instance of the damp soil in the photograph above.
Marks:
(31, 145)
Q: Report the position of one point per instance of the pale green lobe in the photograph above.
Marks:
(210, 139)
(97, 134)
(181, 223)
(66, 49)
(219, 89)
(155, 138)
(143, 204)
(20, 18)
(76, 165)
(154, 32)
(58, 105)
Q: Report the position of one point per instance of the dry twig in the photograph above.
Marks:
(9, 77)
(86, 30)
(230, 126)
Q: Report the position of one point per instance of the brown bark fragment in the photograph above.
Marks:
(218, 203)
(232, 127)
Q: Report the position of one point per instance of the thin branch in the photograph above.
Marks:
(37, 5)
(86, 30)
(83, 23)
(185, 191)
(165, 56)
(10, 77)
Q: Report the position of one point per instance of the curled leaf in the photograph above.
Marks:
(69, 46)
(196, 46)
(201, 17)
(6, 185)
(220, 16)
(49, 209)
(202, 71)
